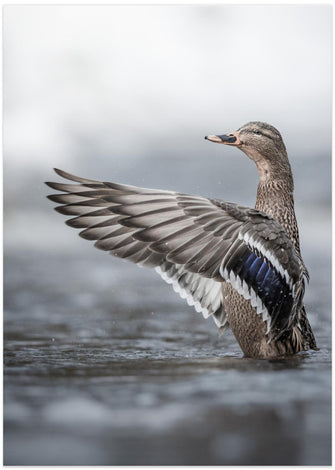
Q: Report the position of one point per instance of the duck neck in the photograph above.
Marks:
(275, 198)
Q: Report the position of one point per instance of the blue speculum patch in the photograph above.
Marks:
(266, 281)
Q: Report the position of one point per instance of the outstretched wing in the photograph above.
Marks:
(100, 223)
(194, 243)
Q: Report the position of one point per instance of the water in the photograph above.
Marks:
(105, 365)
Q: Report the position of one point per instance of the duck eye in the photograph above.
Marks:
(257, 132)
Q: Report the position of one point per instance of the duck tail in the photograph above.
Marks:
(307, 330)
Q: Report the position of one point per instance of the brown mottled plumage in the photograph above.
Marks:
(263, 144)
(239, 265)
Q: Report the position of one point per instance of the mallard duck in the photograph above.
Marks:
(241, 266)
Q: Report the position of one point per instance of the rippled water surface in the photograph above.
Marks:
(104, 365)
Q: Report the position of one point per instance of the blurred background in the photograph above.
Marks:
(101, 359)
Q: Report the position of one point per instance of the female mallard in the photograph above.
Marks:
(239, 265)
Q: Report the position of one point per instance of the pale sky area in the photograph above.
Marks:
(129, 76)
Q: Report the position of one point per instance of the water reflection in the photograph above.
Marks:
(104, 379)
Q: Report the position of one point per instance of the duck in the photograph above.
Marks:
(240, 265)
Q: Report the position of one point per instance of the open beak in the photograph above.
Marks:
(228, 139)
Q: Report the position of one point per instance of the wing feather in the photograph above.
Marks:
(193, 242)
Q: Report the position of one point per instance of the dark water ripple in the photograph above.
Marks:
(105, 366)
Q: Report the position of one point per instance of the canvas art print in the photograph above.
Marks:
(190, 144)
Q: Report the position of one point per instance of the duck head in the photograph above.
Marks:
(263, 144)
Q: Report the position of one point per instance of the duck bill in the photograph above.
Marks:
(228, 139)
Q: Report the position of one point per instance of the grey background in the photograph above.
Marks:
(127, 93)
